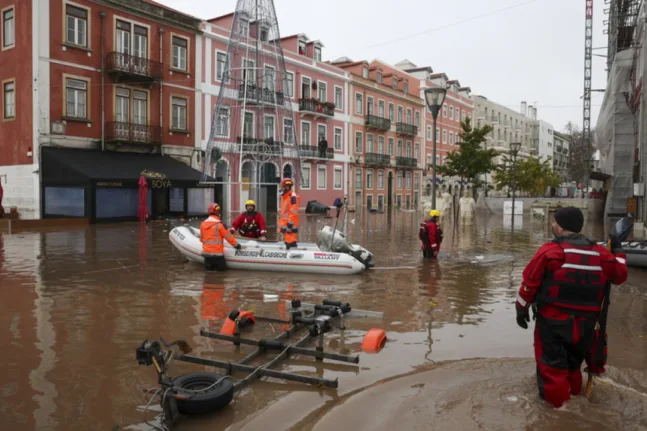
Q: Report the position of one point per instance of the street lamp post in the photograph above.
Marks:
(514, 150)
(434, 98)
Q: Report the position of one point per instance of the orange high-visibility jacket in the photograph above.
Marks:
(212, 234)
(289, 215)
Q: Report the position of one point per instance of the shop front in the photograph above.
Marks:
(104, 185)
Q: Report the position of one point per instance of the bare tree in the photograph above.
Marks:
(580, 154)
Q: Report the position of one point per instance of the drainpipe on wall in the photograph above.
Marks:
(161, 31)
(102, 14)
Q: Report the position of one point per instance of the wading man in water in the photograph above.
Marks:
(289, 214)
(566, 280)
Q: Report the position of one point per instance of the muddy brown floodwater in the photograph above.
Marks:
(75, 304)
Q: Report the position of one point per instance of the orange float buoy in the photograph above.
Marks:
(244, 318)
(374, 340)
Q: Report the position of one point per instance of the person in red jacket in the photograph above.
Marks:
(250, 224)
(431, 235)
(567, 281)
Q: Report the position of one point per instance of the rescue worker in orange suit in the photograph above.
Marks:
(289, 214)
(213, 233)
(251, 223)
(566, 282)
(431, 235)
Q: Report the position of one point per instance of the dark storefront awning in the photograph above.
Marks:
(66, 165)
(599, 176)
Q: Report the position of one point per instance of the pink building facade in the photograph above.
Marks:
(318, 93)
(386, 134)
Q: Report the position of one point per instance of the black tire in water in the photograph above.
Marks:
(197, 403)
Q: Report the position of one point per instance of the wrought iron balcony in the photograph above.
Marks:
(257, 146)
(313, 152)
(125, 67)
(377, 159)
(379, 123)
(316, 107)
(256, 94)
(407, 129)
(129, 133)
(406, 162)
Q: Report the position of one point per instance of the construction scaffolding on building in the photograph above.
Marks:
(623, 17)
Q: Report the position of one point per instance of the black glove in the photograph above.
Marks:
(523, 317)
(616, 245)
(238, 247)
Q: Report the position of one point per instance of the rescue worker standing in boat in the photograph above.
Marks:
(251, 223)
(213, 233)
(431, 235)
(289, 214)
(566, 280)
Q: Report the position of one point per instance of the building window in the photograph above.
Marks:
(429, 136)
(248, 125)
(409, 149)
(221, 64)
(302, 47)
(445, 111)
(408, 181)
(132, 40)
(305, 172)
(317, 53)
(365, 72)
(451, 138)
(179, 113)
(416, 153)
(323, 92)
(380, 179)
(379, 77)
(395, 83)
(416, 181)
(409, 119)
(305, 134)
(265, 32)
(358, 178)
(399, 148)
(380, 144)
(380, 109)
(269, 81)
(127, 100)
(338, 178)
(180, 52)
(243, 27)
(76, 98)
(391, 147)
(76, 19)
(268, 127)
(9, 100)
(369, 106)
(289, 84)
(338, 145)
(321, 132)
(437, 134)
(400, 179)
(222, 129)
(417, 119)
(369, 143)
(444, 136)
(451, 112)
(358, 142)
(249, 74)
(288, 131)
(339, 101)
(369, 178)
(359, 104)
(321, 177)
(8, 28)
(463, 116)
(406, 87)
(400, 114)
(391, 112)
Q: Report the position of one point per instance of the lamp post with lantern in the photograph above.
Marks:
(434, 98)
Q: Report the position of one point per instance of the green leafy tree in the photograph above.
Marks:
(533, 175)
(470, 161)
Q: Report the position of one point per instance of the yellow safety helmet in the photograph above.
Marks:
(434, 213)
(250, 202)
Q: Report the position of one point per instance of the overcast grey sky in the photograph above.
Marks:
(506, 50)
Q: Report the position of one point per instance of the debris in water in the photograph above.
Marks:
(513, 399)
(397, 322)
(270, 298)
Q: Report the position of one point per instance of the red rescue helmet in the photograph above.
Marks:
(214, 209)
(286, 183)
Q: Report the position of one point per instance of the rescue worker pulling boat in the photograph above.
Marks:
(568, 280)
(213, 233)
(251, 223)
(431, 235)
(289, 214)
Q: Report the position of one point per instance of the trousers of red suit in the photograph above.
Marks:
(562, 343)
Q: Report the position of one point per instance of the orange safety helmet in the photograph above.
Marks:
(214, 209)
(287, 182)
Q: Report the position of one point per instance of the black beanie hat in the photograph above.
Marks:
(570, 219)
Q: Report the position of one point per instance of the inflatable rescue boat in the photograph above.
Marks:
(331, 255)
(636, 252)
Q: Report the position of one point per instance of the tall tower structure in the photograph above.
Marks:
(588, 59)
(252, 135)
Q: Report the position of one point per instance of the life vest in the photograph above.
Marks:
(424, 234)
(212, 234)
(250, 227)
(578, 284)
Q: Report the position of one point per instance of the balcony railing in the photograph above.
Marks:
(377, 159)
(129, 65)
(259, 146)
(407, 129)
(316, 107)
(378, 122)
(495, 119)
(129, 133)
(312, 152)
(256, 94)
(406, 162)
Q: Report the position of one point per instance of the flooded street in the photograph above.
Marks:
(75, 305)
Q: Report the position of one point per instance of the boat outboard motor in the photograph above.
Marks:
(332, 240)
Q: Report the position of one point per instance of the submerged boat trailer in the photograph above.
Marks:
(202, 392)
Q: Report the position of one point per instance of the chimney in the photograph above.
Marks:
(523, 108)
(534, 113)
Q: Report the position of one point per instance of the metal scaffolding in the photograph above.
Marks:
(623, 16)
